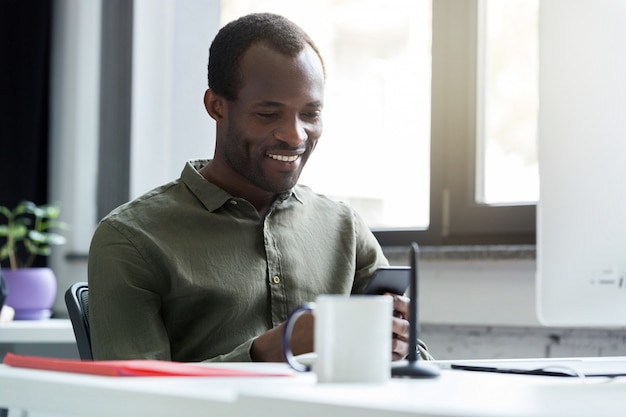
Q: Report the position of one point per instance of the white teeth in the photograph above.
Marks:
(284, 158)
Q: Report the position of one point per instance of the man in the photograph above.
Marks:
(207, 267)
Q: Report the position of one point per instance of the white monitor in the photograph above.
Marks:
(581, 230)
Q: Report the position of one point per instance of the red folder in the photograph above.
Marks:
(134, 367)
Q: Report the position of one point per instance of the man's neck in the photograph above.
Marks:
(261, 200)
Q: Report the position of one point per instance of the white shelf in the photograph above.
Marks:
(37, 331)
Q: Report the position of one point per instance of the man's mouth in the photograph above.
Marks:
(283, 158)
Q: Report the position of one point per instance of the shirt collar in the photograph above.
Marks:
(212, 196)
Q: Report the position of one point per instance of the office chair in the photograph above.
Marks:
(77, 303)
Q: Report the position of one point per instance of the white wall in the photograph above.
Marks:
(479, 292)
(170, 56)
(169, 123)
(75, 70)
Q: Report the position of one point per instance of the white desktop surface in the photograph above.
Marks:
(37, 331)
(454, 393)
(87, 395)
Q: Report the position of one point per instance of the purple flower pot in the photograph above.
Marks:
(31, 292)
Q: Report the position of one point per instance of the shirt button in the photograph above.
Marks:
(233, 202)
(276, 279)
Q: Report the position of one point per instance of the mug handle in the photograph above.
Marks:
(287, 330)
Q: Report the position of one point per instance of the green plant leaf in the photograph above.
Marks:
(56, 239)
(51, 211)
(25, 207)
(4, 252)
(5, 212)
(43, 250)
(46, 238)
(17, 231)
(28, 226)
(36, 236)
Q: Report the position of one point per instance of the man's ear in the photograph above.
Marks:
(215, 105)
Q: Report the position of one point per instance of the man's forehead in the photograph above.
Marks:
(268, 75)
(262, 51)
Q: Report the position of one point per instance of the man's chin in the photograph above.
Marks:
(282, 186)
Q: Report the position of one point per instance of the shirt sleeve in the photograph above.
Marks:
(124, 300)
(240, 354)
(369, 255)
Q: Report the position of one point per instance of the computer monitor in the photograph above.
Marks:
(581, 230)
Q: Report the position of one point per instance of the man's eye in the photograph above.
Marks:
(267, 115)
(313, 114)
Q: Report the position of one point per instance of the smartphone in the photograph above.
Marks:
(389, 279)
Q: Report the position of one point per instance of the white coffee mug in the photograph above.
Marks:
(352, 338)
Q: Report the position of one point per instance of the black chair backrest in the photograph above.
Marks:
(77, 303)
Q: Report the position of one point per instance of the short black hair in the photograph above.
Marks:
(234, 39)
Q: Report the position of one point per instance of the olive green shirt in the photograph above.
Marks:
(187, 272)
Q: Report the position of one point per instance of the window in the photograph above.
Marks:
(375, 149)
(404, 139)
(508, 100)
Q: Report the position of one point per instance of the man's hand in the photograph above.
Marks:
(268, 346)
(400, 327)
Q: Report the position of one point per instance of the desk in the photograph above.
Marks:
(37, 331)
(53, 337)
(455, 393)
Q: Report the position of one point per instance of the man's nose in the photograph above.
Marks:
(292, 132)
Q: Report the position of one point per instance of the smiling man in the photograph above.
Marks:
(207, 267)
(266, 133)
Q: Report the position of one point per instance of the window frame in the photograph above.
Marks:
(455, 217)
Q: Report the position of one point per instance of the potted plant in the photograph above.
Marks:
(26, 233)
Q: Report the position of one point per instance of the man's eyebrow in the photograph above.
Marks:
(269, 103)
